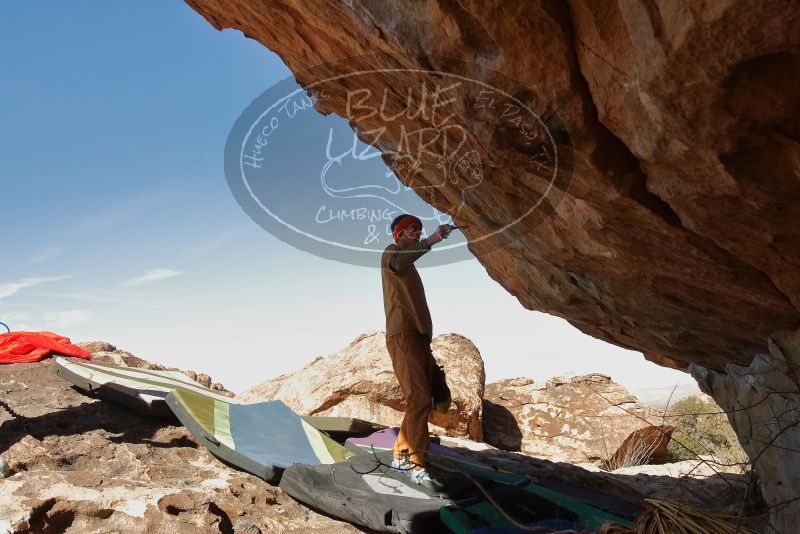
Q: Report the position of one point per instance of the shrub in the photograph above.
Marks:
(702, 429)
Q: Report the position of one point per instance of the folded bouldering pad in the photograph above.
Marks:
(341, 428)
(262, 438)
(144, 390)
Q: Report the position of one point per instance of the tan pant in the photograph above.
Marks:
(413, 363)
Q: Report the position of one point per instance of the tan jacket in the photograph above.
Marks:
(403, 294)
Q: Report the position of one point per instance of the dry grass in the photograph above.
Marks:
(639, 451)
(673, 517)
(676, 517)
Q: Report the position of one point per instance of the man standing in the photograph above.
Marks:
(409, 332)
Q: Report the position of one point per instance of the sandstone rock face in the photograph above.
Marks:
(78, 464)
(359, 381)
(676, 234)
(576, 420)
(104, 352)
(762, 402)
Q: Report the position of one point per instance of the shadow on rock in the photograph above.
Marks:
(505, 433)
(621, 493)
(126, 425)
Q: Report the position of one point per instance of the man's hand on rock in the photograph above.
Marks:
(440, 234)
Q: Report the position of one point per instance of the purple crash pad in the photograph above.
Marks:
(384, 439)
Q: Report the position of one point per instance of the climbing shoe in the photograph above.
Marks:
(423, 477)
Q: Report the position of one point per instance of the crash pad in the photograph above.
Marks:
(367, 494)
(590, 507)
(526, 505)
(341, 428)
(144, 390)
(464, 516)
(364, 491)
(553, 486)
(26, 347)
(261, 438)
(444, 458)
(546, 525)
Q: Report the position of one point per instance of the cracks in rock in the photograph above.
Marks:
(654, 14)
(473, 33)
(735, 263)
(623, 168)
(612, 155)
(601, 58)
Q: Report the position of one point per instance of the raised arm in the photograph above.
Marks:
(403, 258)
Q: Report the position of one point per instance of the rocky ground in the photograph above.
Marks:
(80, 464)
(84, 465)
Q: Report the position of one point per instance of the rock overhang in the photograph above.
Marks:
(674, 235)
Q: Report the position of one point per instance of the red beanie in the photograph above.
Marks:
(402, 223)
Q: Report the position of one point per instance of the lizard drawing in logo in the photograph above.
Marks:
(448, 175)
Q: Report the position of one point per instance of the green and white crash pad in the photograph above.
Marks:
(526, 505)
(262, 438)
(341, 428)
(144, 390)
(516, 493)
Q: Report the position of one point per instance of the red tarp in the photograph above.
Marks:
(22, 347)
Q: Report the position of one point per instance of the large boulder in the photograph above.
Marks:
(581, 419)
(762, 402)
(358, 381)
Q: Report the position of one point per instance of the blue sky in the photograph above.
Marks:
(119, 225)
